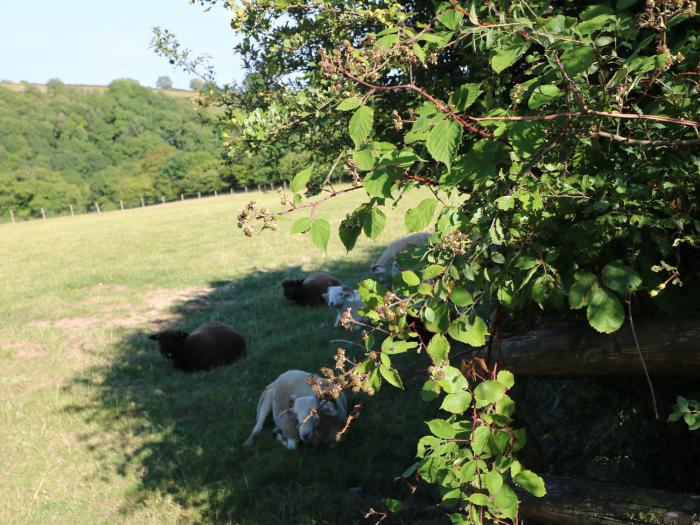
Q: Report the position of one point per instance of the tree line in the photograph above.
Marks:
(67, 148)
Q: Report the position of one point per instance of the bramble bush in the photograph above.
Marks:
(560, 143)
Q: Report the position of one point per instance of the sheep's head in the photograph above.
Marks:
(379, 273)
(167, 337)
(291, 287)
(307, 410)
(337, 296)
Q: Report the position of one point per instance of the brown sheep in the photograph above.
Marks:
(210, 345)
(309, 291)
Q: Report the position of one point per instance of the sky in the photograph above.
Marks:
(97, 41)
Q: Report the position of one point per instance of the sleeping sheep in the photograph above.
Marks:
(309, 291)
(386, 267)
(342, 298)
(297, 412)
(210, 345)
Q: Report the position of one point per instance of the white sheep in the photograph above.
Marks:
(388, 258)
(292, 401)
(342, 298)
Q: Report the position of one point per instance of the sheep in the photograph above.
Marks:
(210, 345)
(309, 291)
(388, 258)
(342, 298)
(292, 402)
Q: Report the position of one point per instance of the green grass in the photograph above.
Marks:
(95, 427)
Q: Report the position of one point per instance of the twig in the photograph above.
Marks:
(590, 113)
(641, 358)
(641, 142)
(314, 204)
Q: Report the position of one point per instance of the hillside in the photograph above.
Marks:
(87, 88)
(64, 146)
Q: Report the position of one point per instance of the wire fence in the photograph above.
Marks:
(12, 216)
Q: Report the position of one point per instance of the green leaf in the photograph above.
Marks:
(505, 203)
(378, 183)
(488, 392)
(506, 378)
(594, 24)
(391, 375)
(453, 380)
(320, 233)
(580, 291)
(507, 56)
(361, 124)
(623, 279)
(430, 391)
(300, 180)
(604, 313)
(531, 482)
(441, 428)
(456, 403)
(443, 141)
(479, 499)
(419, 217)
(506, 501)
(464, 96)
(374, 223)
(578, 60)
(494, 481)
(473, 334)
(480, 438)
(364, 158)
(461, 297)
(439, 349)
(542, 95)
(451, 18)
(527, 138)
(393, 505)
(301, 225)
(410, 278)
(349, 104)
(391, 347)
(349, 236)
(433, 271)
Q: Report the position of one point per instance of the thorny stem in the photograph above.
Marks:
(591, 113)
(641, 358)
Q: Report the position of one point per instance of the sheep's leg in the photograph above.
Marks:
(264, 409)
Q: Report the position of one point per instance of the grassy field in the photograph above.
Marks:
(96, 427)
(86, 88)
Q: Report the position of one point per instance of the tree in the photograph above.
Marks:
(560, 143)
(164, 82)
(196, 84)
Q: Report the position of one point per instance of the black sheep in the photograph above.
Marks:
(309, 291)
(210, 345)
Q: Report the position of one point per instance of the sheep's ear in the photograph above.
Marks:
(328, 408)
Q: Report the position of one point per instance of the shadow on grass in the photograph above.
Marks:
(181, 434)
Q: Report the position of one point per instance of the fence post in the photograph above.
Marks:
(199, 194)
(43, 214)
(12, 216)
(272, 187)
(259, 188)
(143, 204)
(97, 207)
(284, 185)
(231, 190)
(72, 213)
(162, 199)
(216, 193)
(121, 205)
(245, 188)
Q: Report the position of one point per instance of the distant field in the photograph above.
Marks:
(95, 427)
(22, 86)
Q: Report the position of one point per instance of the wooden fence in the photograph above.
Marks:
(95, 207)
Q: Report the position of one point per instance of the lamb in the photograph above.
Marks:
(388, 258)
(342, 298)
(309, 291)
(210, 345)
(293, 403)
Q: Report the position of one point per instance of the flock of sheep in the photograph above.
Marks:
(298, 414)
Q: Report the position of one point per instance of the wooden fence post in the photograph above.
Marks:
(97, 207)
(284, 185)
(216, 193)
(272, 187)
(162, 199)
(199, 194)
(259, 188)
(43, 214)
(182, 197)
(72, 213)
(231, 190)
(143, 204)
(12, 216)
(245, 188)
(121, 205)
